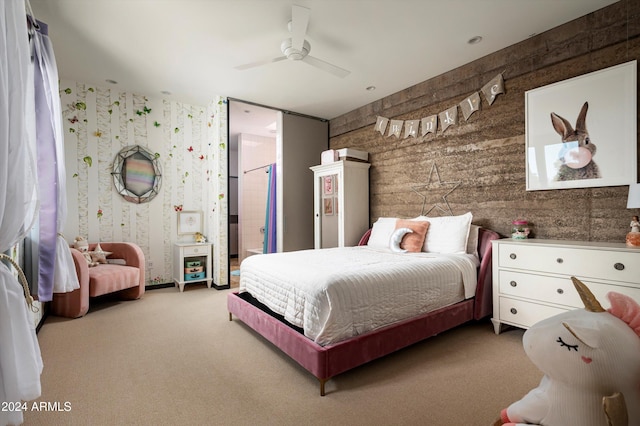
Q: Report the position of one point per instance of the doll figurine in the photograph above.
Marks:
(633, 237)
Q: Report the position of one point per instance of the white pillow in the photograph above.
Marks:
(381, 232)
(447, 234)
(472, 241)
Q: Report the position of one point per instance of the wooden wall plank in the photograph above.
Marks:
(486, 154)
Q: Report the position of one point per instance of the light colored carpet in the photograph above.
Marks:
(175, 358)
(234, 276)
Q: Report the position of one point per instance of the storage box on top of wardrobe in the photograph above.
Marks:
(352, 155)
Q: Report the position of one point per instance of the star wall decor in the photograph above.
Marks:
(419, 189)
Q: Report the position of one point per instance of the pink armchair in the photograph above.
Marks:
(128, 279)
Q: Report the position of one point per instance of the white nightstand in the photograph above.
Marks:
(192, 263)
(532, 278)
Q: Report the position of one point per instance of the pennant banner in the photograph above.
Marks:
(429, 125)
(411, 128)
(381, 124)
(470, 105)
(447, 118)
(395, 128)
(493, 88)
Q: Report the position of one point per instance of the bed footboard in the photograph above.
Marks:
(325, 362)
(299, 347)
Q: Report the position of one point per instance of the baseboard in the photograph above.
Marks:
(45, 314)
(155, 286)
(165, 285)
(220, 287)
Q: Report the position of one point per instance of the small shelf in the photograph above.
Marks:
(192, 264)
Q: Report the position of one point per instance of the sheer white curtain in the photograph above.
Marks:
(20, 360)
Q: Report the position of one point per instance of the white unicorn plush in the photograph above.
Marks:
(591, 363)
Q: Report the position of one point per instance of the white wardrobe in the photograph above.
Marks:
(341, 203)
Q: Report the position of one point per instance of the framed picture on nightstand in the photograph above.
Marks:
(189, 222)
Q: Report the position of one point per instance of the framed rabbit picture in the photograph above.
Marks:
(581, 132)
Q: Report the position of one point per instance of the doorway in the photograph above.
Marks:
(299, 141)
(252, 149)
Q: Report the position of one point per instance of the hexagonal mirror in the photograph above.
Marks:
(136, 174)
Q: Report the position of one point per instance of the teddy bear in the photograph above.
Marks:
(199, 238)
(591, 366)
(82, 246)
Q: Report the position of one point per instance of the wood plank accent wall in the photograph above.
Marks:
(487, 152)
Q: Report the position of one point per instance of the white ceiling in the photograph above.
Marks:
(250, 119)
(190, 47)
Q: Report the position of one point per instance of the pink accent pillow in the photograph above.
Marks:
(413, 241)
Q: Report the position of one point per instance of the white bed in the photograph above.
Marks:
(367, 270)
(335, 294)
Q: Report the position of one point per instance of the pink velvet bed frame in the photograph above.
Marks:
(324, 362)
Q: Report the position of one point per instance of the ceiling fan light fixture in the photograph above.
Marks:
(294, 54)
(297, 48)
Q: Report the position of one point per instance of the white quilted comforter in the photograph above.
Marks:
(334, 294)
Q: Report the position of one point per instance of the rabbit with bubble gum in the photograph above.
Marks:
(591, 363)
(576, 156)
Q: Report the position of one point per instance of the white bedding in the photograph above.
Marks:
(337, 293)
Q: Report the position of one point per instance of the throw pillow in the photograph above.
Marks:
(472, 241)
(98, 255)
(396, 239)
(381, 232)
(447, 234)
(413, 242)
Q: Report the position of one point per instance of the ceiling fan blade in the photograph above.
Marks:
(326, 66)
(299, 22)
(259, 63)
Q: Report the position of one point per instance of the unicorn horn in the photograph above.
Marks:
(591, 304)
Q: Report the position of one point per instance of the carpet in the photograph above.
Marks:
(175, 358)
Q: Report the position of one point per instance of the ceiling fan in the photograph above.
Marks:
(297, 48)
